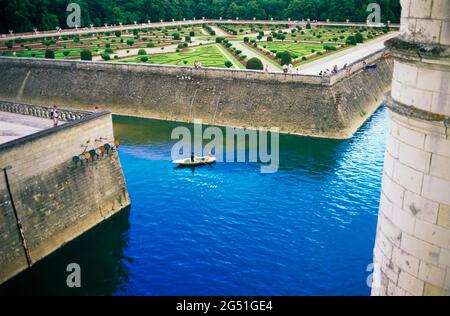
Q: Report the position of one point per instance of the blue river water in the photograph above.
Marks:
(228, 229)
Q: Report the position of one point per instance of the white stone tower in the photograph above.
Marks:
(412, 248)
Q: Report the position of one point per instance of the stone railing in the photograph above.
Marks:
(41, 111)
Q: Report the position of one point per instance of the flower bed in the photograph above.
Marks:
(294, 62)
(232, 52)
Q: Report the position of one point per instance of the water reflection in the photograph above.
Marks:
(100, 254)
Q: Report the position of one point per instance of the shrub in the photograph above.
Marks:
(212, 33)
(191, 33)
(269, 39)
(235, 33)
(185, 62)
(278, 55)
(118, 33)
(238, 52)
(359, 38)
(245, 39)
(150, 45)
(116, 57)
(135, 32)
(142, 52)
(130, 42)
(66, 53)
(219, 39)
(107, 45)
(144, 59)
(329, 47)
(86, 54)
(228, 64)
(255, 64)
(179, 46)
(50, 54)
(351, 40)
(109, 51)
(106, 57)
(9, 44)
(176, 36)
(308, 26)
(286, 58)
(187, 38)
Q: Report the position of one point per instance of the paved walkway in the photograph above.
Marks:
(250, 54)
(345, 57)
(13, 126)
(219, 31)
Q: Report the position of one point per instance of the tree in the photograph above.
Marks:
(228, 64)
(255, 64)
(50, 54)
(86, 54)
(351, 40)
(286, 58)
(359, 38)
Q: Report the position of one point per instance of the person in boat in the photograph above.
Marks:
(192, 157)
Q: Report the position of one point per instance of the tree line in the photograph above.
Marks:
(25, 15)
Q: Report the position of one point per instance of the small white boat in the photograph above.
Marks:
(199, 161)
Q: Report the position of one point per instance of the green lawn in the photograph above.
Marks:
(208, 55)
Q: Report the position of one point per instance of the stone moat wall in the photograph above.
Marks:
(46, 200)
(310, 105)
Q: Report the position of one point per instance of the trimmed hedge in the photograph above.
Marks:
(255, 64)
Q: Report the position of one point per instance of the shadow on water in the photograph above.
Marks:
(100, 254)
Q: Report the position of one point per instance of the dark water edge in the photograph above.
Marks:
(309, 229)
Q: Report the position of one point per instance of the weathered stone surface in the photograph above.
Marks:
(55, 199)
(297, 104)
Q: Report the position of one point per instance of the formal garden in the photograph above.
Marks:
(200, 45)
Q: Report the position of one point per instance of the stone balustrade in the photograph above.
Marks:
(41, 111)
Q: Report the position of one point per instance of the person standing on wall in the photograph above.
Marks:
(54, 114)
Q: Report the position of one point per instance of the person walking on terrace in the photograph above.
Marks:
(54, 115)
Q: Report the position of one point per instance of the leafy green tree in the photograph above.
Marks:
(86, 54)
(351, 40)
(359, 38)
(286, 58)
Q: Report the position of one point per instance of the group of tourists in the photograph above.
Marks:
(288, 68)
(54, 114)
(329, 72)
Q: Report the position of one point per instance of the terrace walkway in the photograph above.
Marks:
(13, 126)
(346, 56)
